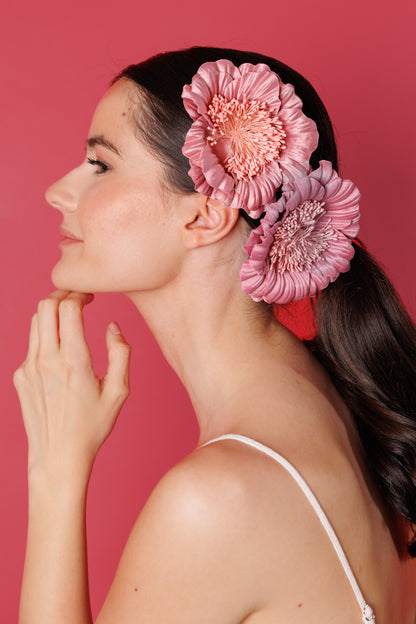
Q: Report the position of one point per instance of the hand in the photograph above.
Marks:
(67, 411)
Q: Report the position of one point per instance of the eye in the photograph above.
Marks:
(97, 163)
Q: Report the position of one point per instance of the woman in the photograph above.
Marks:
(186, 152)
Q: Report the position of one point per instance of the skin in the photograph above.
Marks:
(226, 536)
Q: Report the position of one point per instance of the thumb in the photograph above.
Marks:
(115, 385)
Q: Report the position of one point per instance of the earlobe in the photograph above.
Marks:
(211, 222)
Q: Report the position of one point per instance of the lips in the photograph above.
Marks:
(67, 234)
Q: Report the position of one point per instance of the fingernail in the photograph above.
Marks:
(114, 328)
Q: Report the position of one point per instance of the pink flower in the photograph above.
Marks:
(304, 239)
(249, 134)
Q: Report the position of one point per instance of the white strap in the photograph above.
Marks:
(367, 612)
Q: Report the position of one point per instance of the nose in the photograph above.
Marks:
(62, 194)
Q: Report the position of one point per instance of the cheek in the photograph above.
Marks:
(109, 215)
(129, 238)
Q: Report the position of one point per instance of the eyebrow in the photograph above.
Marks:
(100, 140)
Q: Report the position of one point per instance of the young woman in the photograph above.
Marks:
(209, 195)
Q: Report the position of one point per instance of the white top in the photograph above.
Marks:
(367, 612)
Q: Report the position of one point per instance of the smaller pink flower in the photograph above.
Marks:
(249, 134)
(304, 240)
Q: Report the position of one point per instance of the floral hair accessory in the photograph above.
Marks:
(304, 240)
(249, 134)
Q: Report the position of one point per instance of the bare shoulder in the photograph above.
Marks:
(214, 483)
(210, 497)
(186, 546)
(217, 541)
(223, 489)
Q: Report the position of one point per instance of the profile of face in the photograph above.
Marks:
(120, 232)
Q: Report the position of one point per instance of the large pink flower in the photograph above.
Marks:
(249, 134)
(304, 239)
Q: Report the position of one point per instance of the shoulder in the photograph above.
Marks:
(219, 476)
(189, 544)
(214, 518)
(218, 493)
(204, 488)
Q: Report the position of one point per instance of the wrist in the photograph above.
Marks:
(57, 474)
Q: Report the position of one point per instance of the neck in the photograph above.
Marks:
(221, 344)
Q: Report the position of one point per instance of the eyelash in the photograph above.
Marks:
(98, 163)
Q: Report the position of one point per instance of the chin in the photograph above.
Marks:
(62, 281)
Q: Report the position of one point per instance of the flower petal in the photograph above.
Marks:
(279, 140)
(304, 240)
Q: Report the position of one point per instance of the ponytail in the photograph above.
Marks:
(367, 342)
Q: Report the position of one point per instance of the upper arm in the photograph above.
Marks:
(184, 560)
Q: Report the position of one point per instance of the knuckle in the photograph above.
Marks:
(121, 397)
(18, 376)
(124, 348)
(121, 390)
(42, 363)
(74, 362)
(125, 387)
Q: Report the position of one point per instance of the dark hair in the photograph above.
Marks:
(367, 342)
(365, 338)
(162, 122)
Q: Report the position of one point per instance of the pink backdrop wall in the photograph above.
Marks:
(56, 60)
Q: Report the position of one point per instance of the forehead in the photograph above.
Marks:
(114, 121)
(113, 115)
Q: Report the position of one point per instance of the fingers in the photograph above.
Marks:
(33, 339)
(115, 384)
(67, 411)
(58, 329)
(48, 327)
(48, 323)
(71, 326)
(60, 324)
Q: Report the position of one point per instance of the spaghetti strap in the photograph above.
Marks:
(366, 611)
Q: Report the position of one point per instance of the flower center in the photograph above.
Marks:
(298, 242)
(253, 135)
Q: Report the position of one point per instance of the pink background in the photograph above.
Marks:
(56, 60)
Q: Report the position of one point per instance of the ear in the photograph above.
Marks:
(209, 221)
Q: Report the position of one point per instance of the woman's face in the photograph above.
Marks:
(119, 233)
